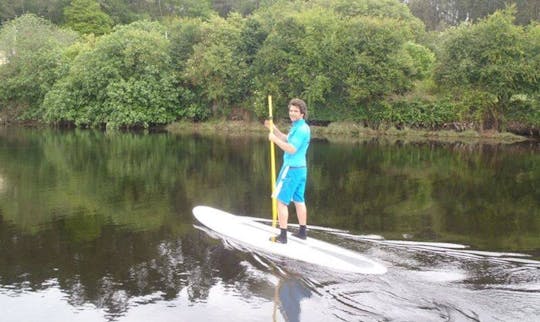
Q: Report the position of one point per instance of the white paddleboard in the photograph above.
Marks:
(256, 235)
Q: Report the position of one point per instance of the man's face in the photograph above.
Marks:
(294, 113)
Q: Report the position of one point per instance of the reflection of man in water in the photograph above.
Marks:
(289, 294)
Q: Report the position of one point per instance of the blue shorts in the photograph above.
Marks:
(291, 184)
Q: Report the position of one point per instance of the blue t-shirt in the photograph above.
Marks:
(299, 137)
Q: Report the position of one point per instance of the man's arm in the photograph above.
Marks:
(283, 144)
(282, 136)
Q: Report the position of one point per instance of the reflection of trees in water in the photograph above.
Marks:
(2, 184)
(403, 187)
(106, 185)
(120, 267)
(470, 193)
(106, 272)
(80, 237)
(122, 175)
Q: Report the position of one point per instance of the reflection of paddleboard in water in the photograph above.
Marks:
(256, 235)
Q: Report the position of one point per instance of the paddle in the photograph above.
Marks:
(272, 167)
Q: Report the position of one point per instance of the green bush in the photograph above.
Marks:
(487, 63)
(86, 17)
(422, 114)
(414, 113)
(125, 80)
(525, 109)
(33, 49)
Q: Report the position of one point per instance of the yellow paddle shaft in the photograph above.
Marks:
(272, 165)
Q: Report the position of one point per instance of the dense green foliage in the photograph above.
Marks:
(367, 61)
(494, 66)
(215, 69)
(341, 65)
(436, 14)
(439, 14)
(85, 16)
(33, 49)
(125, 78)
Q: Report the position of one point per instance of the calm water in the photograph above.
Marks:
(98, 227)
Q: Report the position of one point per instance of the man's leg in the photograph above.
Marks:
(283, 214)
(301, 212)
(300, 204)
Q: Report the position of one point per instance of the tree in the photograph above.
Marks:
(216, 68)
(192, 8)
(126, 79)
(158, 9)
(33, 49)
(273, 61)
(51, 9)
(343, 62)
(86, 17)
(184, 34)
(487, 64)
(119, 11)
(440, 14)
(374, 8)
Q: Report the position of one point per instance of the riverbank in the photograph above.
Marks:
(334, 132)
(347, 131)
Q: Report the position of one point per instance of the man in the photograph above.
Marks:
(291, 181)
